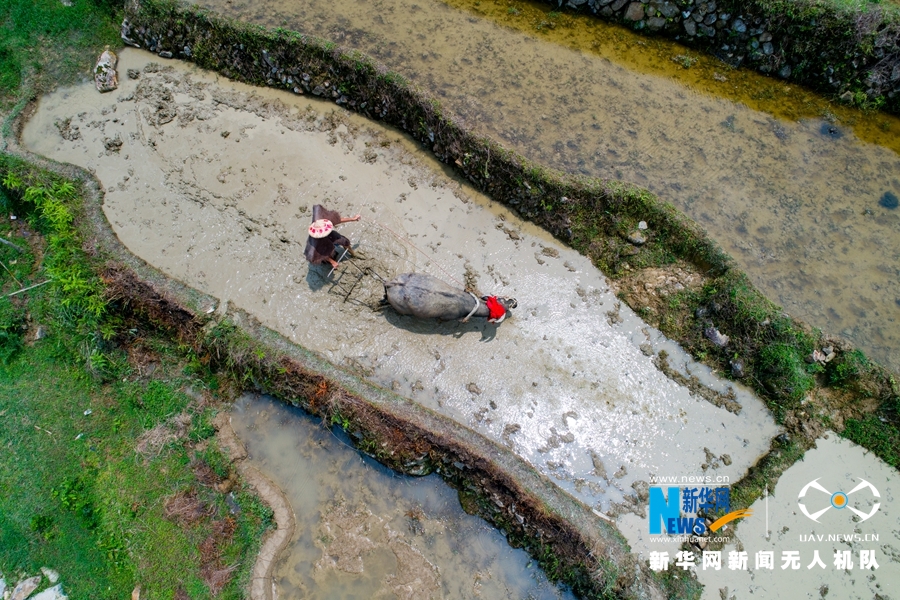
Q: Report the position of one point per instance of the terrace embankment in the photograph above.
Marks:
(849, 50)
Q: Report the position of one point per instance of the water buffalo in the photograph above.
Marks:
(427, 297)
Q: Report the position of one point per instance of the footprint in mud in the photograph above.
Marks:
(889, 200)
(831, 131)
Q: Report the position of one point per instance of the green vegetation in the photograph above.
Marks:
(847, 368)
(111, 476)
(871, 432)
(96, 468)
(685, 60)
(783, 453)
(44, 43)
(12, 325)
(788, 376)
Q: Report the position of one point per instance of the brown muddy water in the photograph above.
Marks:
(796, 189)
(363, 531)
(212, 182)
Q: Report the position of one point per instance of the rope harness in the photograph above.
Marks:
(469, 316)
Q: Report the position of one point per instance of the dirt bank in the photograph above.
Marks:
(261, 583)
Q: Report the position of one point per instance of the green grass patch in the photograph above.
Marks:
(74, 297)
(79, 498)
(788, 376)
(12, 328)
(881, 437)
(96, 454)
(847, 367)
(44, 43)
(783, 453)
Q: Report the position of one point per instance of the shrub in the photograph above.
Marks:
(12, 327)
(847, 367)
(788, 376)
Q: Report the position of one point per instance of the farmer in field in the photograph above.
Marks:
(320, 245)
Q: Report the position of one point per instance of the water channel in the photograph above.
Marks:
(365, 531)
(798, 190)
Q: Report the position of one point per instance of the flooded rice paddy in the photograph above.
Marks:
(365, 532)
(212, 182)
(801, 192)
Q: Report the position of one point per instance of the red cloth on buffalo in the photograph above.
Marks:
(495, 309)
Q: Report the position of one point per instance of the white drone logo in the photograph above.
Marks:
(839, 500)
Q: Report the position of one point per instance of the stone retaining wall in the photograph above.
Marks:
(851, 54)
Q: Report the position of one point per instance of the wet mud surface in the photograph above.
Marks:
(836, 465)
(799, 192)
(212, 182)
(365, 532)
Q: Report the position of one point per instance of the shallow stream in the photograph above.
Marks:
(798, 190)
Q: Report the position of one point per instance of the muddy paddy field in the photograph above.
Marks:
(797, 189)
(213, 183)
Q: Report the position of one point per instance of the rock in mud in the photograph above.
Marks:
(112, 145)
(25, 587)
(105, 77)
(53, 593)
(68, 131)
(817, 356)
(637, 238)
(716, 337)
(889, 200)
(737, 368)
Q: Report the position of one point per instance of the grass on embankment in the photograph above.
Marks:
(77, 496)
(44, 43)
(766, 349)
(108, 473)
